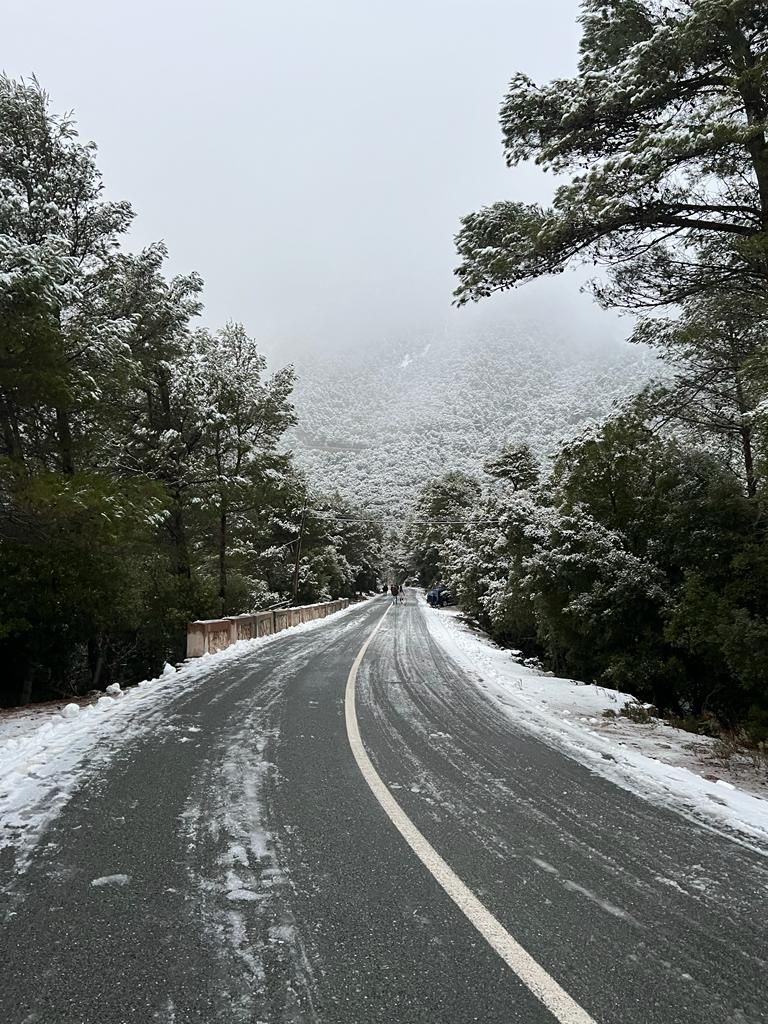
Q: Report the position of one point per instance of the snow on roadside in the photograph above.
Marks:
(43, 752)
(657, 762)
(16, 723)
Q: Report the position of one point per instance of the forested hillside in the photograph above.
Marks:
(377, 424)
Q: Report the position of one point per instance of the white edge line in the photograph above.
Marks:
(531, 973)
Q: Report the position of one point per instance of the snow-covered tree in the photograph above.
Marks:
(441, 509)
(56, 225)
(716, 350)
(244, 415)
(144, 479)
(599, 607)
(483, 563)
(663, 134)
(516, 465)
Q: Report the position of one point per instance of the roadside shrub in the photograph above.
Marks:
(640, 714)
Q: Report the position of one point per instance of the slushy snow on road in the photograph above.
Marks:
(656, 762)
(43, 754)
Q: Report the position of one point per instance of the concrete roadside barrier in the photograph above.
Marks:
(207, 636)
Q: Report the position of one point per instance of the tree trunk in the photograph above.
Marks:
(745, 433)
(178, 534)
(64, 434)
(96, 659)
(25, 692)
(749, 464)
(223, 560)
(10, 430)
(159, 414)
(298, 558)
(746, 64)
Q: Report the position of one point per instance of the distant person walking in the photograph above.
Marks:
(395, 591)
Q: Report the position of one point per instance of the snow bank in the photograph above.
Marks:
(43, 752)
(658, 763)
(106, 880)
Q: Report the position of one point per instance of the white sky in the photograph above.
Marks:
(310, 159)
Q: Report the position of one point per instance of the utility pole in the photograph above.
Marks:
(298, 557)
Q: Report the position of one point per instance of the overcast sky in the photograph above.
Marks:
(311, 158)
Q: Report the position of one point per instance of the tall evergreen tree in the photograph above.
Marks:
(715, 350)
(663, 132)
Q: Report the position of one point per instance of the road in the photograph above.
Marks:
(233, 864)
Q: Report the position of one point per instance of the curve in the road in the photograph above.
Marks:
(225, 862)
(529, 971)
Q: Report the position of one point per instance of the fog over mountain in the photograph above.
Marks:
(375, 424)
(313, 162)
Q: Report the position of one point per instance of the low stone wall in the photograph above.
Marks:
(206, 636)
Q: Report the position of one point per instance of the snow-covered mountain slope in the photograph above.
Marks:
(376, 425)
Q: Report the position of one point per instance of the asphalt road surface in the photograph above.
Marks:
(232, 864)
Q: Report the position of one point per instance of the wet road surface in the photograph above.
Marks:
(231, 864)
